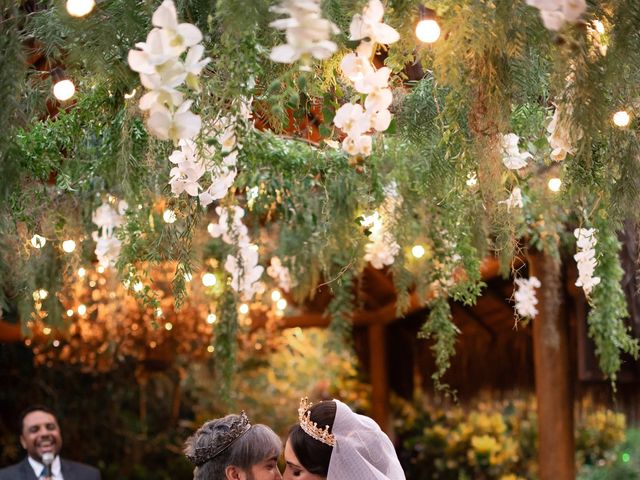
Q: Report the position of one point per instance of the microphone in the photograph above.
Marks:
(47, 460)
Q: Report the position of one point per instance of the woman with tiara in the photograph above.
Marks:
(332, 442)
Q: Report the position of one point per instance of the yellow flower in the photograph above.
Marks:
(484, 444)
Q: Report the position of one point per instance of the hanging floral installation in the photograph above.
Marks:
(292, 144)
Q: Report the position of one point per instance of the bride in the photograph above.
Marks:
(334, 443)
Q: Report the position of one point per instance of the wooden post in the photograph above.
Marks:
(379, 379)
(554, 390)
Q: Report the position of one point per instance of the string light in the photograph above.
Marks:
(81, 272)
(209, 279)
(168, 326)
(100, 269)
(281, 304)
(169, 216)
(158, 312)
(211, 318)
(68, 246)
(276, 295)
(554, 184)
(138, 287)
(46, 330)
(40, 294)
(63, 88)
(69, 313)
(418, 251)
(244, 309)
(56, 343)
(210, 349)
(427, 29)
(80, 8)
(82, 309)
(621, 119)
(38, 241)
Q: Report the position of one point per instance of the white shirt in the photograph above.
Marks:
(56, 468)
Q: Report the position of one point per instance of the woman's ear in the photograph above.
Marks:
(234, 473)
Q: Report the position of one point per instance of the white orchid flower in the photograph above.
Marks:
(369, 25)
(351, 119)
(219, 187)
(182, 35)
(183, 124)
(514, 200)
(193, 66)
(153, 53)
(379, 120)
(359, 145)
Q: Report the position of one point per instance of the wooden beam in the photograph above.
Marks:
(554, 391)
(379, 375)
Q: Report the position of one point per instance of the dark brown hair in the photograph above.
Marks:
(31, 409)
(313, 454)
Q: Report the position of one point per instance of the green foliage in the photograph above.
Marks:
(609, 306)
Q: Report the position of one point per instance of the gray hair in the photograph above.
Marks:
(256, 445)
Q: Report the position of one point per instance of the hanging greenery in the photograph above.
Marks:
(340, 143)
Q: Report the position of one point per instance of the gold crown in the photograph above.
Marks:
(311, 428)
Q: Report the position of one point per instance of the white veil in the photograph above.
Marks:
(362, 451)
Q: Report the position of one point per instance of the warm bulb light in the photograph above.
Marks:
(81, 272)
(428, 31)
(210, 349)
(56, 343)
(276, 295)
(211, 318)
(82, 309)
(80, 8)
(68, 246)
(38, 241)
(69, 313)
(621, 119)
(46, 330)
(64, 90)
(100, 269)
(281, 304)
(555, 184)
(40, 294)
(168, 326)
(244, 309)
(169, 216)
(158, 312)
(138, 287)
(209, 280)
(418, 251)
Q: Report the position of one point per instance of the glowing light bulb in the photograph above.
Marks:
(100, 269)
(158, 312)
(81, 272)
(418, 251)
(169, 216)
(281, 304)
(428, 31)
(64, 90)
(209, 280)
(68, 246)
(46, 330)
(210, 349)
(80, 8)
(554, 184)
(38, 241)
(40, 294)
(138, 287)
(56, 343)
(211, 318)
(69, 313)
(82, 309)
(276, 295)
(621, 119)
(244, 309)
(168, 326)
